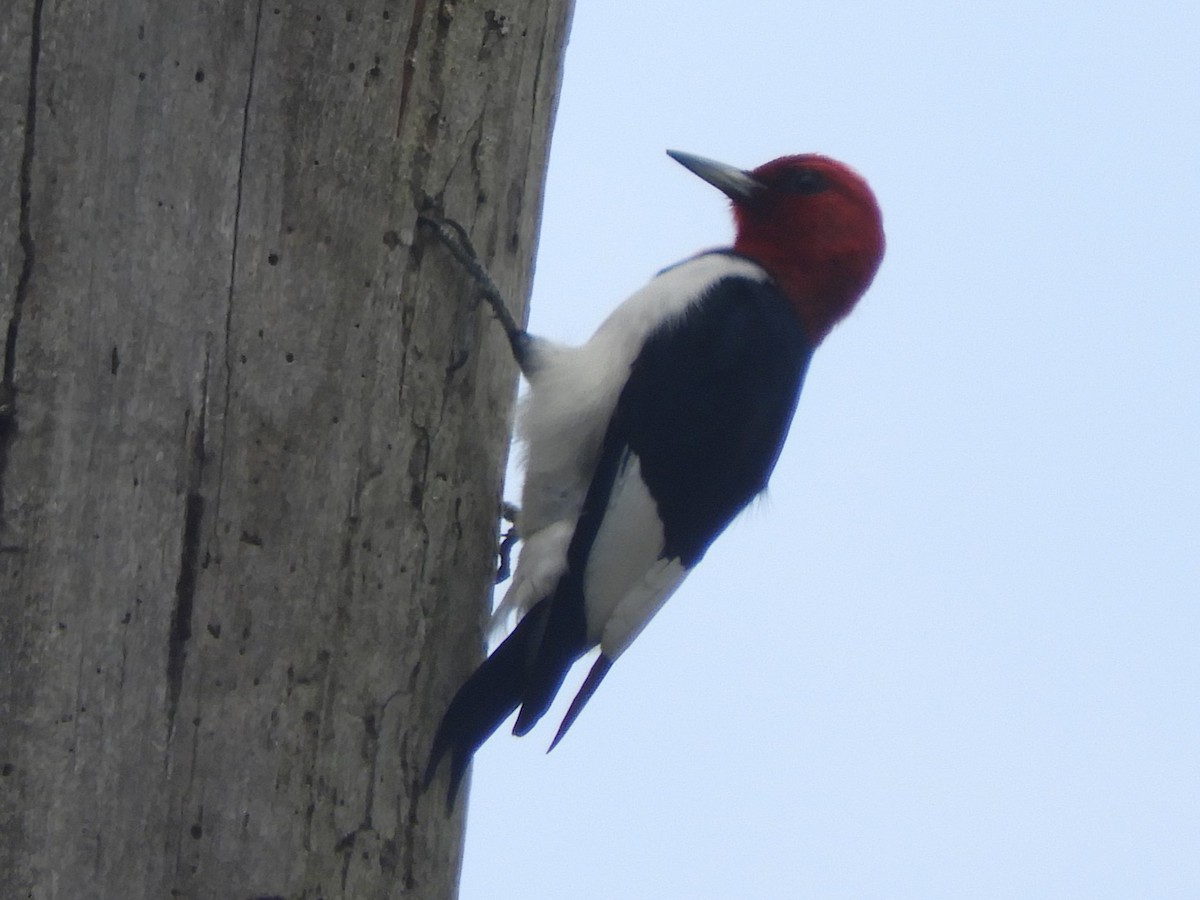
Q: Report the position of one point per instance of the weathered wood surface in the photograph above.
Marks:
(252, 431)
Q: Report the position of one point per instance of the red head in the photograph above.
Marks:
(811, 222)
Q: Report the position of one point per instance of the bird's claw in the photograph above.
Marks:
(454, 238)
(509, 513)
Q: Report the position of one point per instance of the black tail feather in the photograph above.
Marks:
(564, 641)
(487, 698)
(526, 670)
(542, 687)
(594, 676)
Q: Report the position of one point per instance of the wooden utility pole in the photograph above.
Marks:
(252, 431)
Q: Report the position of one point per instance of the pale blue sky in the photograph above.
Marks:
(956, 651)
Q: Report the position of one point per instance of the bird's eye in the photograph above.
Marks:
(803, 181)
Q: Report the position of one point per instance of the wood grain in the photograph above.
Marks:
(252, 431)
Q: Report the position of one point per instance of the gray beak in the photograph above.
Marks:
(735, 184)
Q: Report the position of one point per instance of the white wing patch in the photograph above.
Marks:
(638, 606)
(627, 580)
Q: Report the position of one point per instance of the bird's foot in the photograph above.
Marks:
(508, 513)
(455, 239)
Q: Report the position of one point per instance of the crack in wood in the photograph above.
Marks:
(8, 386)
(180, 632)
(409, 61)
(26, 196)
(233, 253)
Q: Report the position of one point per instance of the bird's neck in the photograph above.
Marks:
(821, 292)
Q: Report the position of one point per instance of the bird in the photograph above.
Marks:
(643, 443)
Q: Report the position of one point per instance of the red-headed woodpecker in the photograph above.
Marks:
(645, 442)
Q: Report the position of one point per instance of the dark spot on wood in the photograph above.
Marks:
(127, 618)
(457, 361)
(351, 67)
(196, 831)
(391, 240)
(199, 75)
(214, 628)
(249, 537)
(495, 22)
(8, 406)
(142, 77)
(418, 463)
(114, 361)
(272, 259)
(6, 770)
(389, 855)
(290, 357)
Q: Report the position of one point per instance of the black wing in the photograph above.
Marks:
(706, 410)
